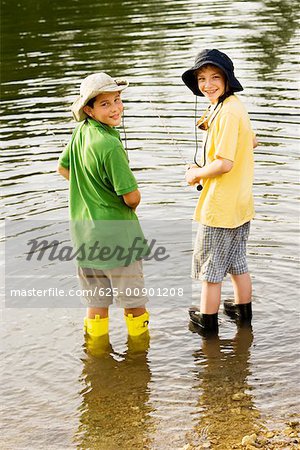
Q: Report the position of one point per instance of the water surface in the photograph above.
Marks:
(180, 391)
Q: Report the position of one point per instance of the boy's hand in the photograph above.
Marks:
(191, 166)
(132, 199)
(255, 141)
(192, 175)
(64, 172)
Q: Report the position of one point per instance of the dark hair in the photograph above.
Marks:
(91, 102)
(225, 95)
(205, 66)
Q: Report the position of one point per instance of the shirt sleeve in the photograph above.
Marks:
(227, 137)
(118, 171)
(64, 159)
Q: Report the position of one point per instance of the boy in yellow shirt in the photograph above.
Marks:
(225, 206)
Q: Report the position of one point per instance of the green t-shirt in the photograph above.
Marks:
(99, 174)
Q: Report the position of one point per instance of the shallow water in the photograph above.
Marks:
(182, 391)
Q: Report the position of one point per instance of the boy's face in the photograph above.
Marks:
(108, 108)
(211, 82)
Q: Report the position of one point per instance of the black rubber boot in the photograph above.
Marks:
(204, 324)
(241, 313)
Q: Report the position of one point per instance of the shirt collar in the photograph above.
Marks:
(111, 130)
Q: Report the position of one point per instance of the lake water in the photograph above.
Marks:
(182, 391)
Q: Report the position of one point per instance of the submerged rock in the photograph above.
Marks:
(288, 431)
(186, 447)
(239, 396)
(249, 440)
(293, 423)
(270, 434)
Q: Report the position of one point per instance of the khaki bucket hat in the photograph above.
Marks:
(92, 86)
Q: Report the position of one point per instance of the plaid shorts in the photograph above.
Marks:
(219, 251)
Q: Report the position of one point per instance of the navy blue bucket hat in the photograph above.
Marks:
(216, 58)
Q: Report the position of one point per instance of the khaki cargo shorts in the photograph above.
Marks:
(124, 284)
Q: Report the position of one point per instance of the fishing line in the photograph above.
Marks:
(52, 132)
(168, 133)
(125, 136)
(198, 187)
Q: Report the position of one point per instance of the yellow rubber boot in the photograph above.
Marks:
(138, 344)
(96, 327)
(98, 346)
(137, 325)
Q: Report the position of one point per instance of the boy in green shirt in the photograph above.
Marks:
(103, 196)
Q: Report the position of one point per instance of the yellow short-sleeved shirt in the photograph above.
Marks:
(226, 201)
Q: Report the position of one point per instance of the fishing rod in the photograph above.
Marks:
(124, 132)
(55, 135)
(174, 142)
(199, 187)
(204, 123)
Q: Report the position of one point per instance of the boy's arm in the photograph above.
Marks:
(132, 199)
(121, 177)
(64, 172)
(212, 170)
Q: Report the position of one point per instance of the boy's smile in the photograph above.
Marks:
(107, 108)
(211, 82)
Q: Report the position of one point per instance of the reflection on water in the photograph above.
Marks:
(49, 47)
(115, 411)
(272, 40)
(227, 408)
